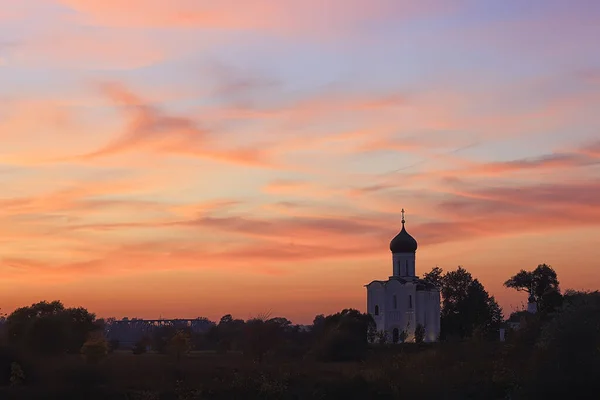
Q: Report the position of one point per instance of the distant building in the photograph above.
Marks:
(404, 301)
(517, 319)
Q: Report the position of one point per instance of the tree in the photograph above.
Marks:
(227, 334)
(49, 327)
(382, 337)
(541, 283)
(568, 349)
(140, 346)
(466, 306)
(113, 344)
(419, 333)
(434, 276)
(95, 348)
(179, 344)
(403, 336)
(342, 336)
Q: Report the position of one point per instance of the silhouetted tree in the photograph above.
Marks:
(179, 344)
(343, 336)
(262, 335)
(435, 276)
(382, 337)
(419, 333)
(466, 306)
(403, 336)
(50, 327)
(140, 346)
(542, 283)
(227, 334)
(113, 344)
(95, 347)
(568, 349)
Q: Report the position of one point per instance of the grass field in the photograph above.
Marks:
(404, 371)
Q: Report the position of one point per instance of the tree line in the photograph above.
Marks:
(467, 310)
(559, 345)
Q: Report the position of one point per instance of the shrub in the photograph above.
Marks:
(13, 368)
(95, 348)
(179, 344)
(382, 337)
(139, 347)
(419, 333)
(113, 344)
(403, 336)
(339, 345)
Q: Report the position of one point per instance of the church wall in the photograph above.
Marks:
(376, 297)
(403, 264)
(427, 313)
(422, 304)
(432, 330)
(396, 316)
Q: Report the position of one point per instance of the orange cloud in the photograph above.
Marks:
(149, 128)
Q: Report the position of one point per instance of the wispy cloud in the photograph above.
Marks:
(151, 129)
(274, 143)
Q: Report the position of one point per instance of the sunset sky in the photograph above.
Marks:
(189, 158)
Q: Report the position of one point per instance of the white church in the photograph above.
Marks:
(404, 301)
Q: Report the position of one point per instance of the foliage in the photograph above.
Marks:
(140, 346)
(419, 333)
(95, 348)
(567, 350)
(227, 334)
(466, 305)
(261, 335)
(382, 337)
(179, 344)
(342, 336)
(435, 276)
(555, 356)
(50, 328)
(17, 376)
(403, 336)
(541, 283)
(113, 344)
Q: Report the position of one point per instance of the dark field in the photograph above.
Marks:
(402, 371)
(466, 370)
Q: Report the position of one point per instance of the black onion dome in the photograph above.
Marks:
(403, 242)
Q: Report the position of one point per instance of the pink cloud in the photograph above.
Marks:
(151, 129)
(284, 17)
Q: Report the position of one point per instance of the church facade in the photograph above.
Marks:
(404, 301)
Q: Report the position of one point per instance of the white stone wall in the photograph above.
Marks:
(376, 297)
(400, 315)
(404, 264)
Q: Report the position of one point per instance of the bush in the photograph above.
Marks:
(13, 367)
(419, 333)
(403, 336)
(139, 347)
(95, 348)
(179, 344)
(567, 352)
(113, 344)
(338, 345)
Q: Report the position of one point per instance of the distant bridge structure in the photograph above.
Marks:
(129, 331)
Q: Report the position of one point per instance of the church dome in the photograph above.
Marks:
(403, 242)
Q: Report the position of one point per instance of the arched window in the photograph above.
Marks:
(376, 310)
(395, 300)
(410, 301)
(395, 335)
